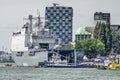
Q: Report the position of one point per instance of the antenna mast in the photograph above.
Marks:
(39, 18)
(55, 4)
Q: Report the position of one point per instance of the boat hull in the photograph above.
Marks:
(28, 59)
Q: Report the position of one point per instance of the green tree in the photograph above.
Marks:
(96, 30)
(116, 41)
(68, 46)
(109, 39)
(91, 47)
(104, 33)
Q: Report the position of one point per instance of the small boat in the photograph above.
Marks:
(8, 64)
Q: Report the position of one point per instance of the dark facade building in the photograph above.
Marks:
(115, 27)
(59, 21)
(100, 16)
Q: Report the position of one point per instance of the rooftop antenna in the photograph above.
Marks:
(55, 4)
(39, 18)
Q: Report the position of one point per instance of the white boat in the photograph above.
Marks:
(31, 44)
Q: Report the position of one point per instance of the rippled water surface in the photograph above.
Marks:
(30, 73)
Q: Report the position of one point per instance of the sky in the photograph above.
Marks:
(12, 13)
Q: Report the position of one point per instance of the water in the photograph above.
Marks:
(30, 73)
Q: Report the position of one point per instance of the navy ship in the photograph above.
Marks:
(31, 44)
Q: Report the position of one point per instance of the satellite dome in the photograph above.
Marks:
(81, 30)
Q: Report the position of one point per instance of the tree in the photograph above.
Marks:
(116, 41)
(103, 32)
(96, 30)
(109, 38)
(91, 47)
(68, 46)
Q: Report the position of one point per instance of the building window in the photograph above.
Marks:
(63, 7)
(57, 19)
(51, 14)
(48, 10)
(51, 7)
(66, 11)
(82, 37)
(54, 10)
(70, 14)
(48, 17)
(69, 8)
(57, 8)
(66, 23)
(51, 20)
(60, 11)
(64, 14)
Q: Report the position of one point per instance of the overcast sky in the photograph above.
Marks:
(12, 13)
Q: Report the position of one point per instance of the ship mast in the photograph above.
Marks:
(30, 19)
(39, 19)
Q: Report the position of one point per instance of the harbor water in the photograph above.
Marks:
(30, 73)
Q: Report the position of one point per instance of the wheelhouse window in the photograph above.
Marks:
(19, 53)
(32, 53)
(44, 45)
